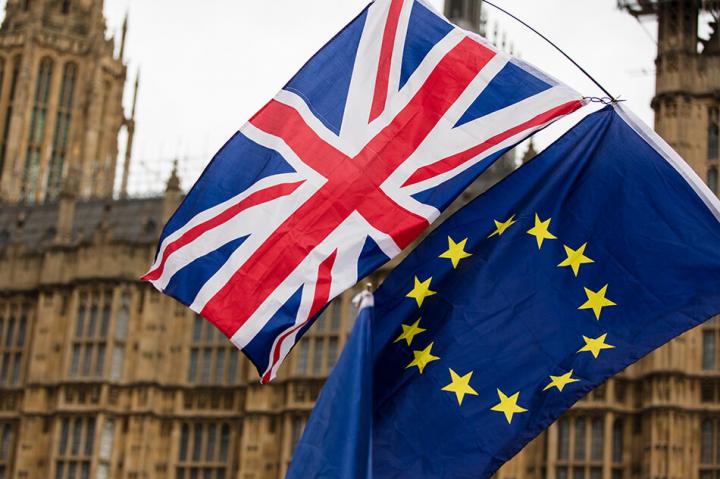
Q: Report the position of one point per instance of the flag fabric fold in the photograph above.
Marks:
(580, 263)
(345, 167)
(343, 413)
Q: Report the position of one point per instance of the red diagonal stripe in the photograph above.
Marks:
(452, 162)
(392, 219)
(382, 79)
(353, 185)
(396, 142)
(321, 297)
(285, 122)
(259, 197)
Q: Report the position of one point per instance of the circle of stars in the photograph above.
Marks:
(456, 252)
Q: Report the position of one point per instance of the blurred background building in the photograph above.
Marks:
(102, 377)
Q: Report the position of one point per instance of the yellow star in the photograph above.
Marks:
(561, 381)
(596, 345)
(460, 386)
(422, 358)
(540, 231)
(421, 290)
(500, 227)
(455, 252)
(508, 405)
(575, 258)
(409, 332)
(596, 301)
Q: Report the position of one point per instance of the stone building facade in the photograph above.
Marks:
(61, 90)
(102, 377)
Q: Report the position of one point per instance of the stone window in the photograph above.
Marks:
(213, 359)
(709, 347)
(7, 440)
(75, 446)
(297, 426)
(38, 122)
(204, 450)
(318, 356)
(563, 438)
(713, 133)
(709, 444)
(90, 334)
(332, 352)
(618, 442)
(62, 129)
(580, 447)
(122, 322)
(14, 326)
(107, 439)
(318, 350)
(15, 73)
(455, 8)
(301, 364)
(712, 179)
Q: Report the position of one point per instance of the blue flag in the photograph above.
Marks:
(336, 441)
(581, 262)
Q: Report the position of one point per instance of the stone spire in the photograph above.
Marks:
(530, 153)
(130, 125)
(58, 60)
(123, 37)
(172, 193)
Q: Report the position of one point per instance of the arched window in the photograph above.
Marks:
(62, 129)
(26, 5)
(37, 129)
(65, 7)
(15, 72)
(712, 179)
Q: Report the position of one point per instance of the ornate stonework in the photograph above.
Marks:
(102, 377)
(61, 88)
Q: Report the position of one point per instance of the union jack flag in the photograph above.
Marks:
(345, 167)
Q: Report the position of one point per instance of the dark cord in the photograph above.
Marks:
(612, 98)
(605, 100)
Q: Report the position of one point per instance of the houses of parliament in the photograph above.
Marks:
(102, 377)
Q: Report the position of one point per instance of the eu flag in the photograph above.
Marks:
(578, 264)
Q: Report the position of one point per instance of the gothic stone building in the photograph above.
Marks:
(102, 377)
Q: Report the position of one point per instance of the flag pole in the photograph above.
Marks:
(611, 97)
